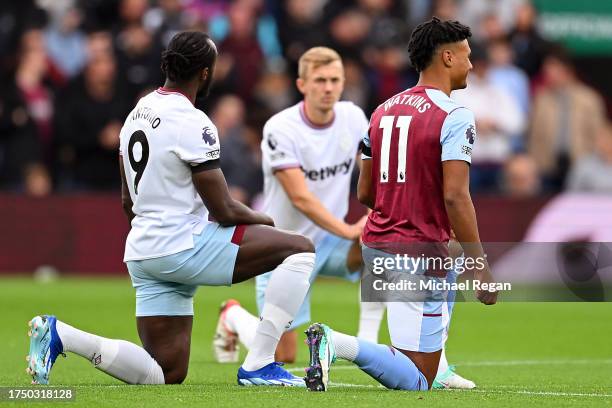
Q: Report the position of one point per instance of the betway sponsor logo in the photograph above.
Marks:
(328, 171)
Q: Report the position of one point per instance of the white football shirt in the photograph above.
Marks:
(161, 139)
(326, 156)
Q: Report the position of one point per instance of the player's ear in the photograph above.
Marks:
(447, 57)
(205, 73)
(299, 83)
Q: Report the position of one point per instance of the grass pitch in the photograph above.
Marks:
(519, 354)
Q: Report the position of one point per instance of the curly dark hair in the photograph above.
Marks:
(187, 54)
(428, 36)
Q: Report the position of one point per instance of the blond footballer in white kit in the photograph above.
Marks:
(309, 153)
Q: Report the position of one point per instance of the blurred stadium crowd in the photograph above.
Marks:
(72, 70)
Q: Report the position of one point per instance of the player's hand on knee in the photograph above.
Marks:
(486, 297)
(485, 294)
(268, 220)
(354, 231)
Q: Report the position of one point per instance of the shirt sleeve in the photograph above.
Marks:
(366, 148)
(360, 121)
(458, 135)
(198, 143)
(279, 149)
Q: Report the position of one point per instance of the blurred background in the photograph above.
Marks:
(72, 70)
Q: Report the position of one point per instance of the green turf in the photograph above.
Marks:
(519, 354)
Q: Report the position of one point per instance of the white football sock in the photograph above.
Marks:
(284, 295)
(443, 364)
(347, 347)
(370, 317)
(241, 322)
(118, 358)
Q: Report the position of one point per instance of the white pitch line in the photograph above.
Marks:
(530, 362)
(547, 393)
(493, 391)
(342, 367)
(337, 384)
(500, 363)
(380, 387)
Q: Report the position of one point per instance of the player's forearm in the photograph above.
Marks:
(462, 217)
(238, 213)
(311, 207)
(365, 193)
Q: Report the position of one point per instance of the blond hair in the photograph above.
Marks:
(315, 58)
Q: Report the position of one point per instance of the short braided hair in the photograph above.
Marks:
(187, 54)
(428, 36)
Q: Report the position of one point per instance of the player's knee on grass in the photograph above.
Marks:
(174, 365)
(176, 375)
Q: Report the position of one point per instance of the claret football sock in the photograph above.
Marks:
(284, 295)
(119, 358)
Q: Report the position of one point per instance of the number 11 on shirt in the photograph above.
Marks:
(386, 124)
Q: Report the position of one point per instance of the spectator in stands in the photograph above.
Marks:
(240, 166)
(499, 119)
(521, 178)
(16, 17)
(37, 181)
(266, 30)
(138, 59)
(489, 18)
(529, 46)
(389, 72)
(66, 43)
(349, 32)
(507, 76)
(300, 28)
(167, 19)
(567, 115)
(593, 173)
(26, 113)
(356, 87)
(444, 9)
(138, 52)
(387, 20)
(131, 12)
(385, 57)
(275, 91)
(491, 28)
(89, 119)
(19, 148)
(240, 50)
(31, 81)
